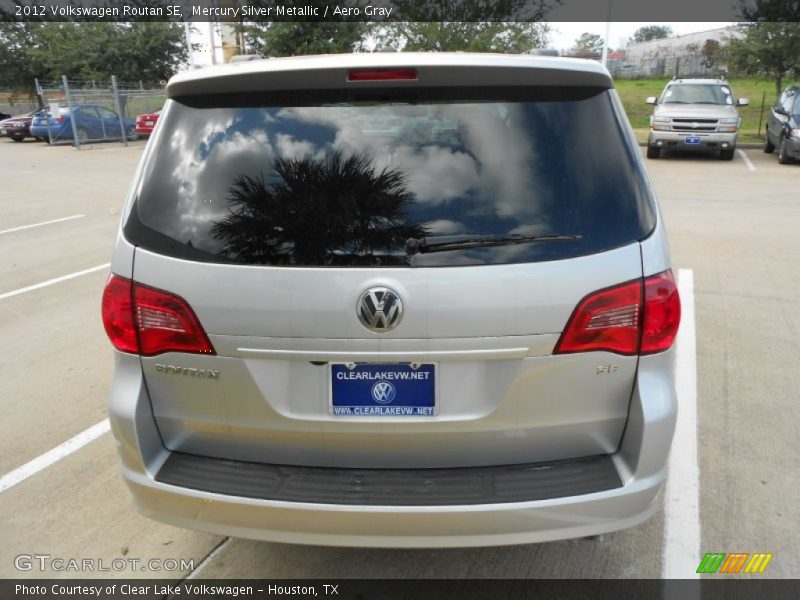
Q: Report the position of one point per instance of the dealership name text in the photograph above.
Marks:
(185, 589)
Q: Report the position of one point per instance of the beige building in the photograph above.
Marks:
(689, 54)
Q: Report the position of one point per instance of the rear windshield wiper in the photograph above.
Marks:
(421, 246)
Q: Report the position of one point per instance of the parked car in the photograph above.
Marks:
(18, 128)
(146, 122)
(783, 127)
(453, 331)
(695, 114)
(92, 122)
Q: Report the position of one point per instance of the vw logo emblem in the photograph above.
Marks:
(383, 392)
(379, 309)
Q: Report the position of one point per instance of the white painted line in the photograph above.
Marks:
(40, 463)
(37, 286)
(13, 229)
(681, 552)
(746, 159)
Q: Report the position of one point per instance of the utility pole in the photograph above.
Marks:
(604, 58)
(211, 43)
(187, 30)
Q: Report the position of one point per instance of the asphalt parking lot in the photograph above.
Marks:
(734, 235)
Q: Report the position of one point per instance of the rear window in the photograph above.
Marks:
(344, 178)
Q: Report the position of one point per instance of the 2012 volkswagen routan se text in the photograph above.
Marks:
(393, 300)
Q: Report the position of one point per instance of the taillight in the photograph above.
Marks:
(118, 314)
(381, 74)
(147, 321)
(605, 320)
(637, 317)
(662, 313)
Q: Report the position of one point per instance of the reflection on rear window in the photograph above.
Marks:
(347, 181)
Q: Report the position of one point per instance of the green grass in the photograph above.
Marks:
(633, 93)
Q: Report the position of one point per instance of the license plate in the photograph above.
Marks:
(693, 140)
(383, 390)
(148, 123)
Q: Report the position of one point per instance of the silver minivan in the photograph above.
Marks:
(393, 300)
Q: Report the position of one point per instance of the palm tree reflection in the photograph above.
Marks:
(319, 211)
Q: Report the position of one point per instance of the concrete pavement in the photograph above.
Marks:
(733, 225)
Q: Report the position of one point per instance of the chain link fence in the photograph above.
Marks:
(14, 106)
(83, 112)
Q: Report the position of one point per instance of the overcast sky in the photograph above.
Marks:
(564, 35)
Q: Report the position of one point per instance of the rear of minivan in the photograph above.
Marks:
(393, 300)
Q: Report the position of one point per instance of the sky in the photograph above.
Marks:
(562, 37)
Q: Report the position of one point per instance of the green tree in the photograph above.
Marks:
(710, 51)
(588, 45)
(770, 11)
(650, 32)
(512, 38)
(141, 51)
(296, 38)
(769, 49)
(18, 65)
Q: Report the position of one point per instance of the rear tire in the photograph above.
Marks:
(726, 154)
(783, 156)
(653, 152)
(17, 139)
(769, 147)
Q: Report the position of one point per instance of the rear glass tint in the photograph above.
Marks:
(340, 178)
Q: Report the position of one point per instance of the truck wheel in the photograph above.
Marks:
(653, 152)
(769, 147)
(726, 154)
(783, 155)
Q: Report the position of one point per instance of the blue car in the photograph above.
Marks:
(92, 122)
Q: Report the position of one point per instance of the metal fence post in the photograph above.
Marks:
(119, 110)
(39, 92)
(76, 142)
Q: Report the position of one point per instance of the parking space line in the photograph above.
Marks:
(211, 556)
(681, 551)
(37, 286)
(746, 159)
(43, 461)
(13, 229)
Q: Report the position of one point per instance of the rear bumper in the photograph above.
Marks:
(15, 132)
(627, 496)
(54, 131)
(793, 148)
(398, 526)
